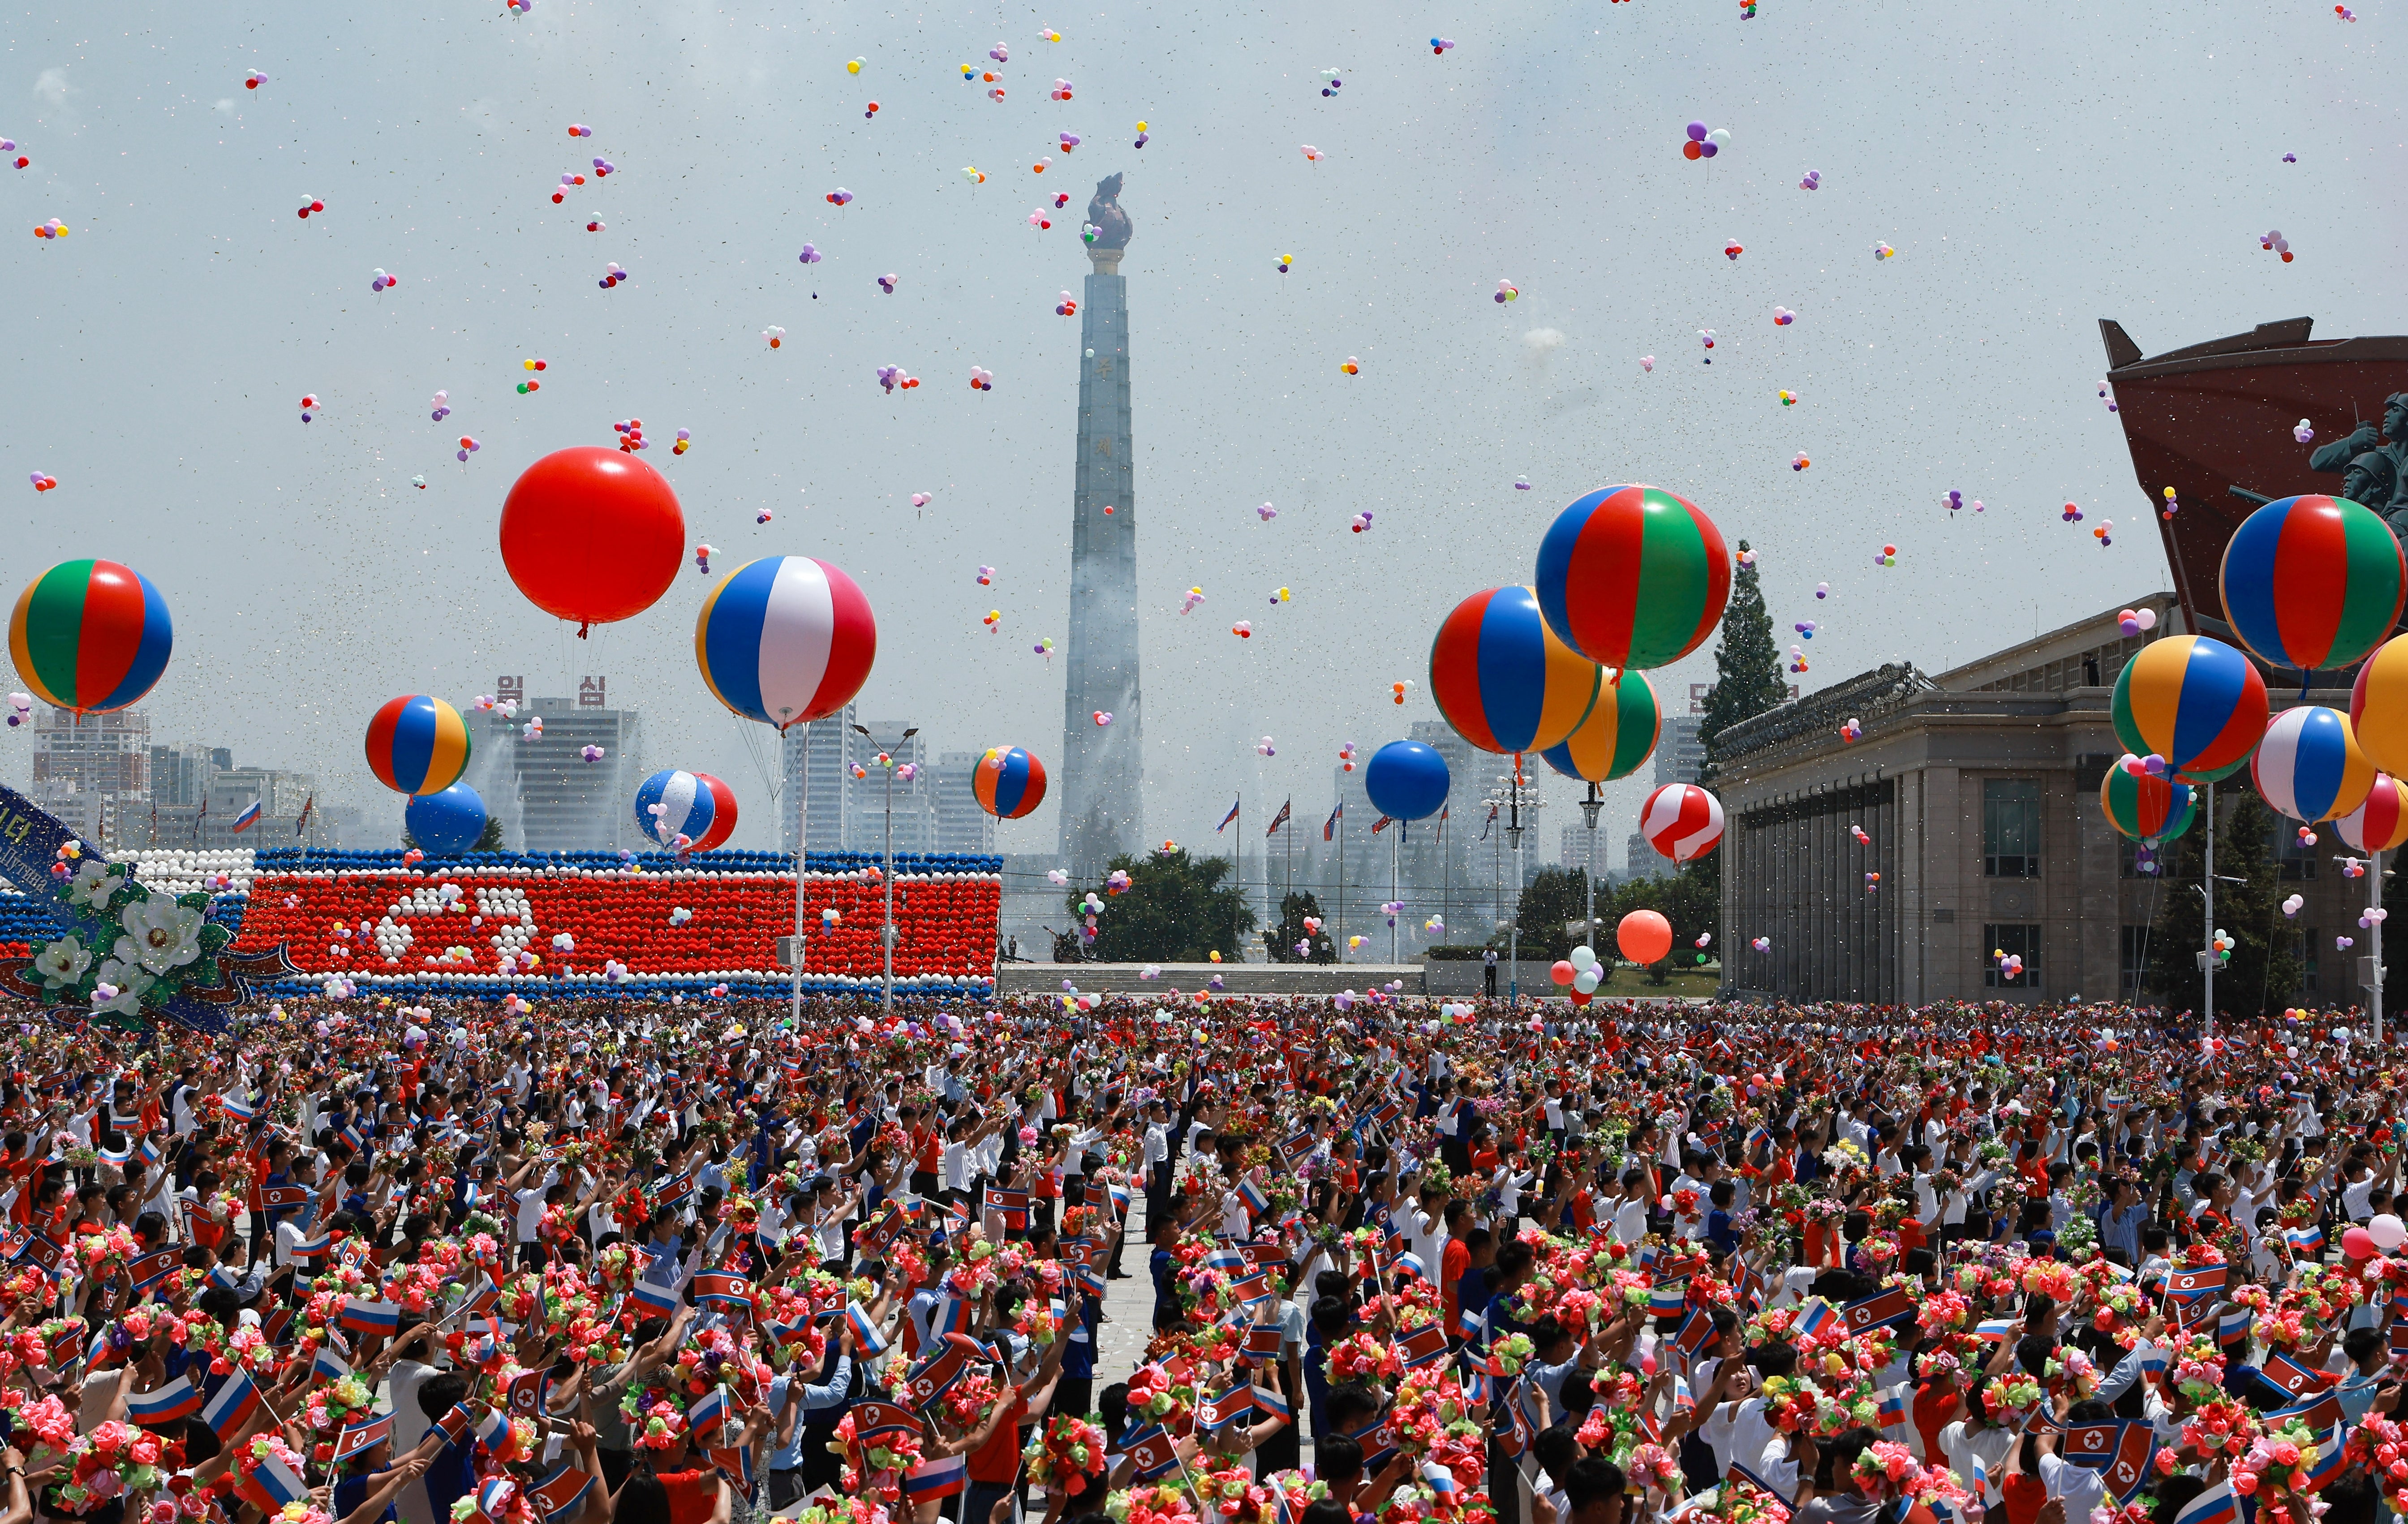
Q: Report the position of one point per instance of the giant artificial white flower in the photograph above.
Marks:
(129, 980)
(94, 883)
(63, 961)
(161, 934)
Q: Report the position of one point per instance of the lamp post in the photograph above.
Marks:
(1589, 807)
(886, 931)
(1513, 936)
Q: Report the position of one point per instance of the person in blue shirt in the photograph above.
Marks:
(790, 1398)
(1719, 1233)
(451, 1468)
(369, 1479)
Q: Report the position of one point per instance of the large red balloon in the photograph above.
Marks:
(1644, 936)
(591, 534)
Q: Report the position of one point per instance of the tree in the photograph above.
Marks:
(1175, 910)
(1747, 683)
(1281, 940)
(2264, 972)
(490, 840)
(1684, 900)
(1551, 903)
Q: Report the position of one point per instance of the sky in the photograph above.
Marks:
(2035, 166)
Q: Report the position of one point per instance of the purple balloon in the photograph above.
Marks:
(1696, 132)
(1710, 150)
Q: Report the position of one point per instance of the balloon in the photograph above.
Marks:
(1406, 781)
(447, 823)
(2147, 808)
(91, 635)
(785, 639)
(1008, 781)
(418, 745)
(1633, 576)
(1644, 936)
(2381, 822)
(1503, 680)
(2313, 582)
(1682, 821)
(2388, 1231)
(1582, 958)
(1617, 737)
(1562, 973)
(2309, 766)
(2358, 1243)
(1586, 980)
(2193, 701)
(591, 534)
(671, 805)
(2378, 707)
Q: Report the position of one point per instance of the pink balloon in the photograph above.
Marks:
(2358, 1243)
(1562, 973)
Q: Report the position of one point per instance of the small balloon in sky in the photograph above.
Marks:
(893, 378)
(1851, 730)
(1822, 590)
(1039, 220)
(2107, 397)
(442, 407)
(254, 80)
(1346, 756)
(1103, 717)
(973, 173)
(1000, 53)
(1311, 153)
(810, 255)
(2072, 514)
(1279, 596)
(1703, 144)
(1788, 398)
(1522, 484)
(886, 284)
(2290, 158)
(920, 500)
(840, 197)
(1882, 251)
(612, 275)
(1331, 82)
(1647, 363)
(853, 65)
(1264, 748)
(1814, 181)
(1441, 45)
(2274, 240)
(604, 168)
(1733, 249)
(1885, 556)
(2304, 431)
(986, 577)
(579, 128)
(2173, 505)
(994, 620)
(1067, 308)
(1508, 291)
(1044, 648)
(1397, 690)
(1284, 260)
(871, 113)
(1266, 513)
(1361, 521)
(1141, 134)
(2344, 13)
(310, 204)
(1745, 557)
(1782, 317)
(774, 335)
(1068, 140)
(1193, 597)
(43, 481)
(1243, 630)
(1351, 365)
(309, 406)
(1797, 659)
(1706, 336)
(684, 440)
(702, 554)
(1050, 34)
(1952, 500)
(1762, 943)
(981, 381)
(2106, 527)
(468, 447)
(419, 482)
(631, 436)
(1804, 627)
(763, 517)
(1798, 461)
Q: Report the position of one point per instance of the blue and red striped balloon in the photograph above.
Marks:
(2313, 582)
(1008, 782)
(418, 745)
(2309, 766)
(2381, 823)
(695, 805)
(2193, 701)
(91, 635)
(1503, 678)
(785, 639)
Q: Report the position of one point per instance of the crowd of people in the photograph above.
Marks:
(369, 1263)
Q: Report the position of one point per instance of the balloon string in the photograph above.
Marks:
(582, 628)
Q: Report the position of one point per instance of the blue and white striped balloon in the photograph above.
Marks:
(671, 804)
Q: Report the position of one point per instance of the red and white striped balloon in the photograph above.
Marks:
(2381, 823)
(1682, 820)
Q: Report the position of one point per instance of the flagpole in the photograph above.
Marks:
(802, 830)
(1340, 947)
(1396, 852)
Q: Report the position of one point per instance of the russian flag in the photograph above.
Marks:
(232, 1407)
(1227, 1259)
(1814, 1317)
(276, 1479)
(2304, 1241)
(241, 1110)
(951, 1315)
(936, 1478)
(149, 1150)
(708, 1413)
(1257, 1200)
(1270, 1402)
(248, 816)
(1995, 1330)
(1893, 1406)
(865, 1330)
(652, 1298)
(177, 1400)
(493, 1428)
(1668, 1298)
(2329, 1460)
(365, 1316)
(314, 1248)
(2216, 1506)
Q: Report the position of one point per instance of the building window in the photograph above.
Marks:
(2134, 961)
(2015, 940)
(2306, 952)
(2010, 828)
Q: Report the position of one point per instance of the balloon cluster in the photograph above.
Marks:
(1264, 748)
(1266, 513)
(1103, 717)
(810, 254)
(569, 180)
(1885, 556)
(1797, 661)
(1039, 220)
(1284, 260)
(1647, 364)
(1521, 484)
(1243, 630)
(1883, 252)
(1346, 756)
(1508, 291)
(1814, 181)
(2102, 531)
(525, 387)
(1439, 45)
(468, 447)
(1762, 943)
(1397, 690)
(891, 378)
(1330, 83)
(2107, 397)
(1352, 365)
(870, 113)
(591, 753)
(631, 435)
(20, 709)
(994, 620)
(1782, 317)
(1312, 154)
(1852, 732)
(840, 197)
(981, 381)
(1140, 135)
(1732, 250)
(308, 407)
(1798, 461)
(2291, 907)
(2134, 622)
(685, 441)
(2173, 505)
(2304, 431)
(886, 284)
(1706, 337)
(2072, 514)
(1805, 628)
(250, 81)
(2011, 965)
(1193, 597)
(702, 554)
(1702, 144)
(1044, 647)
(310, 204)
(1067, 308)
(1360, 522)
(1279, 596)
(613, 275)
(2274, 240)
(51, 229)
(2350, 867)
(379, 281)
(43, 481)
(2222, 944)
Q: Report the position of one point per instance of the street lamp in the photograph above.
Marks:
(886, 932)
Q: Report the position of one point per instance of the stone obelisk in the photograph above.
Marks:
(1103, 764)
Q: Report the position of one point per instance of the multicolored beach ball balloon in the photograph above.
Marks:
(694, 805)
(418, 745)
(1617, 737)
(91, 635)
(2313, 583)
(2309, 766)
(2380, 824)
(1633, 576)
(2195, 702)
(1503, 680)
(2378, 707)
(785, 639)
(2148, 808)
(1008, 781)
(1682, 820)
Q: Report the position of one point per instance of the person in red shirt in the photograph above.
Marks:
(1455, 1260)
(995, 1450)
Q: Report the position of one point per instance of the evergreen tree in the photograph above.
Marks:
(1176, 910)
(1747, 683)
(490, 840)
(1281, 940)
(1550, 904)
(2264, 972)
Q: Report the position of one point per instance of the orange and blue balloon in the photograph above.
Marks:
(1503, 680)
(785, 639)
(2313, 582)
(2144, 806)
(1617, 737)
(2378, 707)
(418, 745)
(2193, 701)
(2309, 766)
(1008, 781)
(91, 635)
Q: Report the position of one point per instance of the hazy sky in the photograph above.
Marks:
(2037, 166)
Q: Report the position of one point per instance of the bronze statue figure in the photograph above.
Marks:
(1104, 214)
(2371, 470)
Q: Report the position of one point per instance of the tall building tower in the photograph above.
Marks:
(1103, 765)
(817, 758)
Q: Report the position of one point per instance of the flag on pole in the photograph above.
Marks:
(1226, 818)
(1280, 820)
(247, 817)
(1329, 827)
(1485, 825)
(179, 1399)
(299, 825)
(1382, 824)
